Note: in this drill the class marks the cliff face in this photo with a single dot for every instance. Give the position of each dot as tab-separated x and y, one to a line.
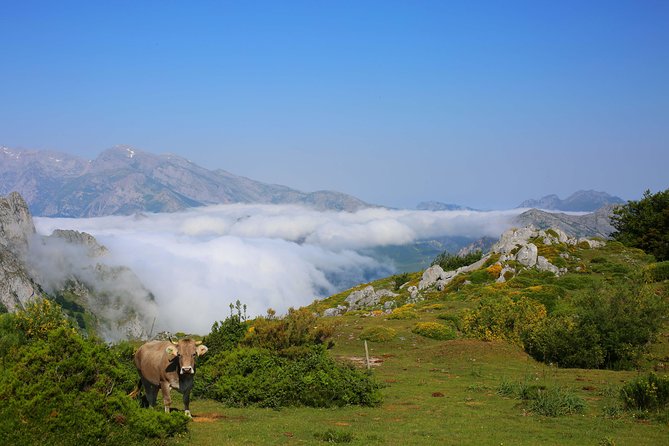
16	229
69	267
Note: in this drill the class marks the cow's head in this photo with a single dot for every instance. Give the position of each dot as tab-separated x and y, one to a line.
186	350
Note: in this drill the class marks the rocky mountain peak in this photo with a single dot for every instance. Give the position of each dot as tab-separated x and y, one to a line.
579	201
16	223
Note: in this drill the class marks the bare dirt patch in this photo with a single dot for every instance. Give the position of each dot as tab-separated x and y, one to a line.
212	417
374	361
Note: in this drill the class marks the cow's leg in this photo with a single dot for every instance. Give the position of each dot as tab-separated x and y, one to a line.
151	392
167	400
187	403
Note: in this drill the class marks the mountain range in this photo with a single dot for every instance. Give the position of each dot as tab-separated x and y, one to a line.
124	180
580	201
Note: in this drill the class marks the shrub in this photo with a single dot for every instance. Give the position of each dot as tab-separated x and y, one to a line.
494	270
657	272
644	224
378	334
299	328
649	392
260	377
67	389
404	312
225	335
565	341
400	279
503	318
606	326
454	319
450	262
480	276
434	330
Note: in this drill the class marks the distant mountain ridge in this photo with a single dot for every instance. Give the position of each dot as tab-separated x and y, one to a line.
580	201
439	206
124	180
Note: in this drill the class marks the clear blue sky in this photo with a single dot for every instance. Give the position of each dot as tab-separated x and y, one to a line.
477	103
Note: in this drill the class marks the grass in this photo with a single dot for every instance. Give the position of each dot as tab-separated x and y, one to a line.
416	371
461	391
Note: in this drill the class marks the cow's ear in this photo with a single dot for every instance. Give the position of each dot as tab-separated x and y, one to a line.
201	350
171	351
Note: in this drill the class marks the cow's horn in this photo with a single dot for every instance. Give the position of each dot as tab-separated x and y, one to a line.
198	342
173	341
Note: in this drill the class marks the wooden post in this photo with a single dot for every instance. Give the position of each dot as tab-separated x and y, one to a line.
367	355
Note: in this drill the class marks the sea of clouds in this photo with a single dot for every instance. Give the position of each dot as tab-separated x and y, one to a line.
198	261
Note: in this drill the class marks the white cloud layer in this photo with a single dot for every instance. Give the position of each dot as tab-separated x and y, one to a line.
198	261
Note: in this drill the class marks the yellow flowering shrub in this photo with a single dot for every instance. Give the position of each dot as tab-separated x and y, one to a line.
404	312
503	318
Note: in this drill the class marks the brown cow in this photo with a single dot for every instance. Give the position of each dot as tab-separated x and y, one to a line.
164	365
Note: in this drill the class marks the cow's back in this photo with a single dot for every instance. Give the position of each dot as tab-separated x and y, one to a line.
151	360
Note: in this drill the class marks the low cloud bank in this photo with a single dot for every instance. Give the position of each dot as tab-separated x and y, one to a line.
199	261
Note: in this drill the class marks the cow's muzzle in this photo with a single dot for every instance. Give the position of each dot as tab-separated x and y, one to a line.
187	370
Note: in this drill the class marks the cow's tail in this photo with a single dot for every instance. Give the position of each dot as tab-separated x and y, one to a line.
135	392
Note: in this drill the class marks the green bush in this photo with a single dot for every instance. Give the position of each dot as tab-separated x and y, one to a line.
649	392
434	330
503	318
451	262
454	319
607	327
298	330
657	272
378	334
644	224
404	312
400	279
261	377
67	389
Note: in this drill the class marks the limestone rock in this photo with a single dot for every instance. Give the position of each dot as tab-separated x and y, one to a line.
336	311
527	255
430	277
367	297
544	265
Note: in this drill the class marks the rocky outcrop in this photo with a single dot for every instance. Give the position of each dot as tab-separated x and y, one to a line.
16	229
68	266
516	248
437	277
16	224
367	297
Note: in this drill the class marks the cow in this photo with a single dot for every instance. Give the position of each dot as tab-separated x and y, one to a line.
164	365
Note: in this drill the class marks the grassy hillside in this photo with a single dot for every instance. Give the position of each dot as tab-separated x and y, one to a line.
465	390
456	363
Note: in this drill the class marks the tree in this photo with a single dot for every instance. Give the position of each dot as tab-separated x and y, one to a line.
644	224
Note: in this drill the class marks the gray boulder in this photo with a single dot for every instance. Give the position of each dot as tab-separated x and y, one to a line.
367	297
527	255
